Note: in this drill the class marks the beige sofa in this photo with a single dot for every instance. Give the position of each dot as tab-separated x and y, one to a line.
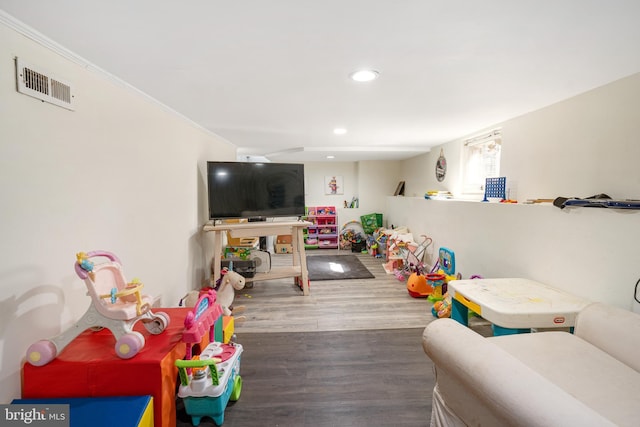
589	378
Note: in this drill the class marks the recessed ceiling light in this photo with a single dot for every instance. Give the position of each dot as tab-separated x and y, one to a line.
331	157
364	75
339	131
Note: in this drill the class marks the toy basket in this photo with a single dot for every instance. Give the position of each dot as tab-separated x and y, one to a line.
351	232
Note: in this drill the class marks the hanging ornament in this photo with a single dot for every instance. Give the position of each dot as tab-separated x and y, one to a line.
441	167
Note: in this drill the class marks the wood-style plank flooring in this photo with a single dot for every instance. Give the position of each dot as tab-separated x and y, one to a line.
362	378
349	354
333	305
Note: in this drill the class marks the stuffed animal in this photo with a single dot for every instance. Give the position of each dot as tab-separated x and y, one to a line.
225	288
226	291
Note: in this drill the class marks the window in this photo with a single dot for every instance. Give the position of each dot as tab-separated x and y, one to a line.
480	160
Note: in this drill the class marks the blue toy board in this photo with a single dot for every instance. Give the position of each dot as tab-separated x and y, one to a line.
495	188
447	261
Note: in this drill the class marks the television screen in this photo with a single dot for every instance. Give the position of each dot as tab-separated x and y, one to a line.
255	190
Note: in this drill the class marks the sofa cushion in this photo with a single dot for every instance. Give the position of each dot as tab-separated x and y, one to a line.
486	385
591	375
613	330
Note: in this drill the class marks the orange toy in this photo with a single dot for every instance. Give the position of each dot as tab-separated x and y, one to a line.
417	286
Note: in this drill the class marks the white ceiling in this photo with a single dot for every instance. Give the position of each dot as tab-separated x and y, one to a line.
272	76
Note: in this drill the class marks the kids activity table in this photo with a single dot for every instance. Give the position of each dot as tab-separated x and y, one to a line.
514	305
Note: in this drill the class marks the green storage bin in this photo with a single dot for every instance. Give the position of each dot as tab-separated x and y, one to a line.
371	222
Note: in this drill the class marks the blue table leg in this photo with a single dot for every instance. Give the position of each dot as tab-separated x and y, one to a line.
459	312
499	330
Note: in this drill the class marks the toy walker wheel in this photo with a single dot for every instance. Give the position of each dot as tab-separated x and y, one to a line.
158	324
41	353
129	345
237	389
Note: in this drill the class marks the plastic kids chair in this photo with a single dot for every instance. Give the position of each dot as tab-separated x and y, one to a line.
115	304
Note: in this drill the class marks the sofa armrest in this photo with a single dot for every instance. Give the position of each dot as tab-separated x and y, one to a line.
497	382
611	329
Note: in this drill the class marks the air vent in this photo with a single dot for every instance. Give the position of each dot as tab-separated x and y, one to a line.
38	83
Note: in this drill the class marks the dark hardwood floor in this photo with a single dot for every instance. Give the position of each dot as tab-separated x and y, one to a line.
337	378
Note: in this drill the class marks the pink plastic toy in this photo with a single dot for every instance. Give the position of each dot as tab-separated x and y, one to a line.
209	380
201	321
115	305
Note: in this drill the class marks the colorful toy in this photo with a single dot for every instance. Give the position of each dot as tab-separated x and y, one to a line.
495	188
446	272
447	260
115	305
399	274
380	243
442	309
413	255
225	288
210	380
240	252
418	287
436	281
352	235
205	318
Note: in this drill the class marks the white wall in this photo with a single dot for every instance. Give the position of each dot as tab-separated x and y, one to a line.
119	173
587	252
579	147
370	181
315	189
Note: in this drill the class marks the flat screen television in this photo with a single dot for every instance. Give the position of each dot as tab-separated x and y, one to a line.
255	190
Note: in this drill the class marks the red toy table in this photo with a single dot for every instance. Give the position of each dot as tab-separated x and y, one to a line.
89	367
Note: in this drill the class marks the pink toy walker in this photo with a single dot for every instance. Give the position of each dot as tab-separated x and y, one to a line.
115	305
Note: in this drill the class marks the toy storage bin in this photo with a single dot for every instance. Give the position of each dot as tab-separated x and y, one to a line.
358	246
371	222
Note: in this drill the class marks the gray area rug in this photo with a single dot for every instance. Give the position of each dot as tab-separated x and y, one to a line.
336	267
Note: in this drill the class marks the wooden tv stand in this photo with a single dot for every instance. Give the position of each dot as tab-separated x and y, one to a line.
257	229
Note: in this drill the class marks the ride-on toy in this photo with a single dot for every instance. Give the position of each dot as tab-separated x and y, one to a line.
115	304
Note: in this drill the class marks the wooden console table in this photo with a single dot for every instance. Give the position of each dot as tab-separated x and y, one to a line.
257	229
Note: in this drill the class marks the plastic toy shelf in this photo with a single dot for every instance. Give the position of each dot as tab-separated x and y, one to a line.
248	229
323	233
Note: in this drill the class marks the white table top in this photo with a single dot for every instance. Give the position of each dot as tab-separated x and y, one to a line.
519	303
